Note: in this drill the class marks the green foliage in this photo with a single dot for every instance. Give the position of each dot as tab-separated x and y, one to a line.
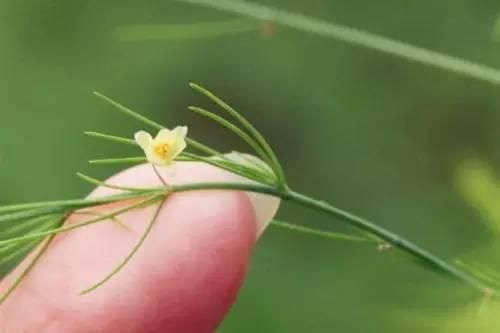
372	133
149	32
356	37
272	182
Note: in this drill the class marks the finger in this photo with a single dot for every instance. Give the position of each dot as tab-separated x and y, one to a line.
183	279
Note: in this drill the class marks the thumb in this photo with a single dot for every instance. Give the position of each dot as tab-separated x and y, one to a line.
184	278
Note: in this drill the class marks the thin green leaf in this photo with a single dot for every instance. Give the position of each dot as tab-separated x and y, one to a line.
114	219
275	165
232	128
5	251
118	212
74	203
25	272
195	144
235	168
131	254
202	148
129	112
481	273
256	171
112	138
120	160
98	182
18	253
31	213
320	233
356	37
24	226
11	255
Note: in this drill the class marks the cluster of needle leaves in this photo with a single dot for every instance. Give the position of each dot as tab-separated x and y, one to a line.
25	226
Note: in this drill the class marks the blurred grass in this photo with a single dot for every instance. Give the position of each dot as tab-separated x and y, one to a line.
355	37
372	134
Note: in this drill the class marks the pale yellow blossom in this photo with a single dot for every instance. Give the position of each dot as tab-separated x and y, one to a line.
165	147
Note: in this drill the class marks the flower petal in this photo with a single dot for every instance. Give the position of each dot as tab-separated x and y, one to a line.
143	139
153	158
165	135
180	131
178	147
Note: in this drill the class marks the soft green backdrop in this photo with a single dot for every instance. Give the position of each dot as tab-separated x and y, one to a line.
371	133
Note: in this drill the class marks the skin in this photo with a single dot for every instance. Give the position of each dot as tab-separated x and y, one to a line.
185	278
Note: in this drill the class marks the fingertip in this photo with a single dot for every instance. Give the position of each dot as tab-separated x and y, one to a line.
184	278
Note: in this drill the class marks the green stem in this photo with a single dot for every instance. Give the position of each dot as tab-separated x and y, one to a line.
355	37
353	220
74	203
362	224
388	236
257	188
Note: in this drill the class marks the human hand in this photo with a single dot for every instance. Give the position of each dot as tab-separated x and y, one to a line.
184	278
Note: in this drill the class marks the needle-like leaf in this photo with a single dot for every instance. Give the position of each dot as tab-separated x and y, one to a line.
355	37
320	233
112	138
275	165
132	252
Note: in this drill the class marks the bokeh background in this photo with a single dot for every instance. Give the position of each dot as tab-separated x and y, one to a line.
371	133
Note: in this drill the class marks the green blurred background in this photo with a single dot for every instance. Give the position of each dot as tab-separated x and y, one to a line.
371	133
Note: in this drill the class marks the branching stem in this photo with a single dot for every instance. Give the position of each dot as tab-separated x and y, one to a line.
353	220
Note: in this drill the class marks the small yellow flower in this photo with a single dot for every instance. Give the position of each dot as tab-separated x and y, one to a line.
163	149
